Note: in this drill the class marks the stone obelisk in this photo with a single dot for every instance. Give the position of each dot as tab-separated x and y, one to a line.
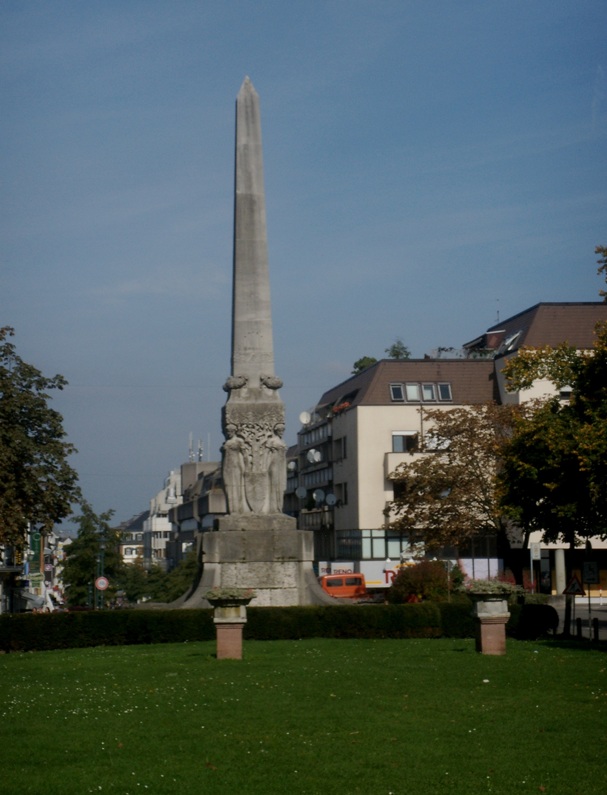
254	453
255	545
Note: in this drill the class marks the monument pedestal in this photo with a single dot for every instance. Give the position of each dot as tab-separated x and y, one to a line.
276	563
491	614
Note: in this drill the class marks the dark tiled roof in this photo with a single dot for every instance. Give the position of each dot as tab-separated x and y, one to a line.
134	523
472	381
551	324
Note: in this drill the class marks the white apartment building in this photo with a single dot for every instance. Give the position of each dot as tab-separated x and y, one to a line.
361	429
157	528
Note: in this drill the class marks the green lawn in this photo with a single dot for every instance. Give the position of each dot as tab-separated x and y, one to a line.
315	716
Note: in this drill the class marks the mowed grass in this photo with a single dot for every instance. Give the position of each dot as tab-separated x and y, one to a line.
312	716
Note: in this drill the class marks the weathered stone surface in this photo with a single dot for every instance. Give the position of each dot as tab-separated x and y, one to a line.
257	546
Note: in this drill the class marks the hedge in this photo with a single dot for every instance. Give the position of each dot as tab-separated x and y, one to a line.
47	631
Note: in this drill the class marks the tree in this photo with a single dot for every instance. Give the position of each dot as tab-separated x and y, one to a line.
398	350
95	551
555	464
451	495
175	583
602	263
38	484
427	580
363	363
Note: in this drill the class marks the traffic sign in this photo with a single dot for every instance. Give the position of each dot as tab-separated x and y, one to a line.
101	583
591	573
574	588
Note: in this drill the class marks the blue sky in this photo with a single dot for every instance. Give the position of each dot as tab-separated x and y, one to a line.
428	165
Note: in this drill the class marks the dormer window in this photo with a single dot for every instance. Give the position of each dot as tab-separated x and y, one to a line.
397	393
413	393
444	392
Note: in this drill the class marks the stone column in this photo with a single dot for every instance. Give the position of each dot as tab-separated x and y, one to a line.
559	569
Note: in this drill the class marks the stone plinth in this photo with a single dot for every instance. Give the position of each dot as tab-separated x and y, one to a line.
491	614
229	640
261	522
229	620
275	563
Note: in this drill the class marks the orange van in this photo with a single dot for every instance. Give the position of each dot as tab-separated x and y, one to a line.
344	586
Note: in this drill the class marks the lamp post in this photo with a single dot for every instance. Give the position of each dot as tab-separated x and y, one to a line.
99	594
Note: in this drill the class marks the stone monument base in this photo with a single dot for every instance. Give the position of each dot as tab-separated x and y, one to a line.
275	562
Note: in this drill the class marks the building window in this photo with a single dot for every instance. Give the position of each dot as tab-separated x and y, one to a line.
341	492
428	392
444	392
348	545
340	448
382	544
404	441
413	393
396	393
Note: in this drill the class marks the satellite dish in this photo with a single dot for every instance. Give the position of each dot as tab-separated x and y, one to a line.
331	499
301	492
311	456
291	466
318	495
317	456
305	418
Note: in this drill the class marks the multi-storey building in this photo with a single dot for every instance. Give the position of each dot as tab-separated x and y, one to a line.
157	526
361	429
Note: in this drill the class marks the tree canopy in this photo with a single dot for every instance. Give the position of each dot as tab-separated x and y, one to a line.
362	364
38	484
95	548
602	269
452	494
398	350
555	463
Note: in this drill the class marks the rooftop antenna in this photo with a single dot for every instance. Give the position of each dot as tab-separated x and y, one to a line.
191	448
200	451
497	301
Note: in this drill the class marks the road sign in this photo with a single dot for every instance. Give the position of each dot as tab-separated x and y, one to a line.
590	574
536	551
101	583
574	588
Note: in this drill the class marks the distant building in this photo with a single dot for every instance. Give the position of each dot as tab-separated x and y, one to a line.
361	429
157	526
131	538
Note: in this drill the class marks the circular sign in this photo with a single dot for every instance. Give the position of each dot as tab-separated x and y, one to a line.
101	583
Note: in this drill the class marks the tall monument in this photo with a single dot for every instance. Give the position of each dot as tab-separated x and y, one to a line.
254	453
255	545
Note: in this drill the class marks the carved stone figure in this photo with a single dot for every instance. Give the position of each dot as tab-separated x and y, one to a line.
234	469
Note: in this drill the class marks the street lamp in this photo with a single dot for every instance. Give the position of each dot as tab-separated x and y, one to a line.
99	594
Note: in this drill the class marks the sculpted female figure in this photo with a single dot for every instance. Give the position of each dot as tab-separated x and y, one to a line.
234	469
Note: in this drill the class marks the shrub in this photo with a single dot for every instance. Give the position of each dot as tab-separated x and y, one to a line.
532	621
426	580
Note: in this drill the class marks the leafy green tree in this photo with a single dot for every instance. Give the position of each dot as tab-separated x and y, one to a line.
363	363
133	582
602	269
429	580
452	493
95	551
555	463
554	467
175	583
38	486
398	350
